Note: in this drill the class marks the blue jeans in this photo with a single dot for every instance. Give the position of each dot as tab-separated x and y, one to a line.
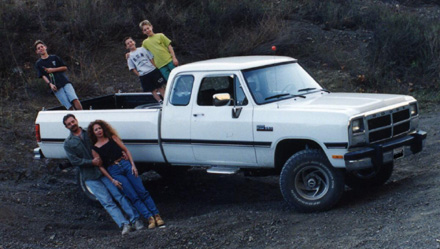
166	70
133	188
104	189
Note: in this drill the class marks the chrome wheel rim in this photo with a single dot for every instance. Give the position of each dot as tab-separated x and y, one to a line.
312	183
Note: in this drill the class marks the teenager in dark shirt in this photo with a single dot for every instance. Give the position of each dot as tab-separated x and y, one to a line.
51	68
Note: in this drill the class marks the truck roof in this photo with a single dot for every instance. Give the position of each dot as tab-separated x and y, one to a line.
233	63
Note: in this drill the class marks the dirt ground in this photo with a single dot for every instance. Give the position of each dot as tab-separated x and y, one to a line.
41	207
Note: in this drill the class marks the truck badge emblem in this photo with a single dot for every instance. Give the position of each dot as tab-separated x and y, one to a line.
264	128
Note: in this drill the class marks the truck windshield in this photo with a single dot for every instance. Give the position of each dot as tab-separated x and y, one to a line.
278	82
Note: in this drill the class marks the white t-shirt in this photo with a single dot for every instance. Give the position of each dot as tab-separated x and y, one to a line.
140	60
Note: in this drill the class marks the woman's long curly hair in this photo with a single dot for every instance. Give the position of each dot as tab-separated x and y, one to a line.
108	130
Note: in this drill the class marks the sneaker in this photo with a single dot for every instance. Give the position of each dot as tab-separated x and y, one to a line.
159	220
151	223
138	224
126	229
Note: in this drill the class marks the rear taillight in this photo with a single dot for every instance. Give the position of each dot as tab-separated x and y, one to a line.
37	132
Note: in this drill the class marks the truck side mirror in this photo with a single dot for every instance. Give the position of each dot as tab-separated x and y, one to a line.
222	99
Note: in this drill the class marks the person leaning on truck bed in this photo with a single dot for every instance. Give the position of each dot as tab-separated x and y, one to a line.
160	46
140	62
78	148
122	173
51	68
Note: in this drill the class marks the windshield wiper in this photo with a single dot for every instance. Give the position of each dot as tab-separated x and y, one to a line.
277	96
306	89
283	95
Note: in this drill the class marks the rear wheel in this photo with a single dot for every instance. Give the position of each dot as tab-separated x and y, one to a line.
83	187
369	177
309	183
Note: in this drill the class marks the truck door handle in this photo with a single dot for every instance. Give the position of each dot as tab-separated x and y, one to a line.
198	114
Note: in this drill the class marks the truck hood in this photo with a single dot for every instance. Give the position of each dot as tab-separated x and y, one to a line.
349	103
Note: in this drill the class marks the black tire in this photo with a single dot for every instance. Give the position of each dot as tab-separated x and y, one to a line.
83	187
309	183
369	178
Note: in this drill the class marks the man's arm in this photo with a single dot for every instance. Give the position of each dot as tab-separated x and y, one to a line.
135	72
75	160
52	86
45	79
41	74
59	66
56	69
132	66
152	62
105	172
171	50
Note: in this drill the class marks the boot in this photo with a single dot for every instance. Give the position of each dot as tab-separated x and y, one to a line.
151	223
159	220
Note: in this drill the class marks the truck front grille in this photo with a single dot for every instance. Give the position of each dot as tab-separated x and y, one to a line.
388	124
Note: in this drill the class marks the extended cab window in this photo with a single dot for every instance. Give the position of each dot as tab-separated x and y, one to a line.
220	84
181	94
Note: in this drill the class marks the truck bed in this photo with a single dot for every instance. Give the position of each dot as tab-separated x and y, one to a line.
140	135
117	101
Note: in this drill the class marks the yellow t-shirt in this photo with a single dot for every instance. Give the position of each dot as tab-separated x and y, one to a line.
158	46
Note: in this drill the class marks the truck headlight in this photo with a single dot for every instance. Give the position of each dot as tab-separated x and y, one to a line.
413	110
357	125
357	132
414	114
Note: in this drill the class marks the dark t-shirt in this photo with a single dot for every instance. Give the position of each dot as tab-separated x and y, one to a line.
109	152
52	61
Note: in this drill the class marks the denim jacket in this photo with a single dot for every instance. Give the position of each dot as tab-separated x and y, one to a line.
79	153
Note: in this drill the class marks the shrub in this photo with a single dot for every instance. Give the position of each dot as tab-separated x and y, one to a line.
341	14
405	49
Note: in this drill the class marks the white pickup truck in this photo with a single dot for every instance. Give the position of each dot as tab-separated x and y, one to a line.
260	115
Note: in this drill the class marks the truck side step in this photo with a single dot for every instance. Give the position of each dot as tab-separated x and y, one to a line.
222	170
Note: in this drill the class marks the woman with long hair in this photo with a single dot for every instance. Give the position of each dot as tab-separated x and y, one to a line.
122	173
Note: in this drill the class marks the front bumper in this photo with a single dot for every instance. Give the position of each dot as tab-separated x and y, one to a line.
379	154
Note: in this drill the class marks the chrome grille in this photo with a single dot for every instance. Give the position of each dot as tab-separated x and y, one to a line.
388	124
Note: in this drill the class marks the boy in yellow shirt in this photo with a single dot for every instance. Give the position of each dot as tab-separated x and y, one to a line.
160	46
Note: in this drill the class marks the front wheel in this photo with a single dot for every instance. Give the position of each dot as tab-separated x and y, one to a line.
309	183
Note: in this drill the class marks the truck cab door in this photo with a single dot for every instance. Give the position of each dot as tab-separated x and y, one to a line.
176	121
222	135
